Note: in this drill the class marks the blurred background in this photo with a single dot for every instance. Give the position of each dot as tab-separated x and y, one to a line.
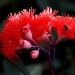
64	62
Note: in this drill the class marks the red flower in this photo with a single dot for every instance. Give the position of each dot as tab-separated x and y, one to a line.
23	25
70	25
65	26
10	35
41	23
20	28
58	24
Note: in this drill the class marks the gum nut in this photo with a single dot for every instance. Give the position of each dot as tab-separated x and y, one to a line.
34	54
26	44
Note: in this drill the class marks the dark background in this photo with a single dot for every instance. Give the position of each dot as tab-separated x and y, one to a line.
64	63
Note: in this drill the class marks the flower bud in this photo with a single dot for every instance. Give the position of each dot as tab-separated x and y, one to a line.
34	54
25	44
27	33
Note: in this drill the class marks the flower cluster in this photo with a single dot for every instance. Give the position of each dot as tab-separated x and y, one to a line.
23	29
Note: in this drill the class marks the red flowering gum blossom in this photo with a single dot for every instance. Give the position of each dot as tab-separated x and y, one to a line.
69	27
10	35
40	25
12	31
65	26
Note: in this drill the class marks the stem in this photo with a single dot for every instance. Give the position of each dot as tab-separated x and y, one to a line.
34	42
52	59
51	66
53	53
48	53
44	50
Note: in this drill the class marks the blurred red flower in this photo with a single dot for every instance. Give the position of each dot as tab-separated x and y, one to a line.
23	25
20	28
64	26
